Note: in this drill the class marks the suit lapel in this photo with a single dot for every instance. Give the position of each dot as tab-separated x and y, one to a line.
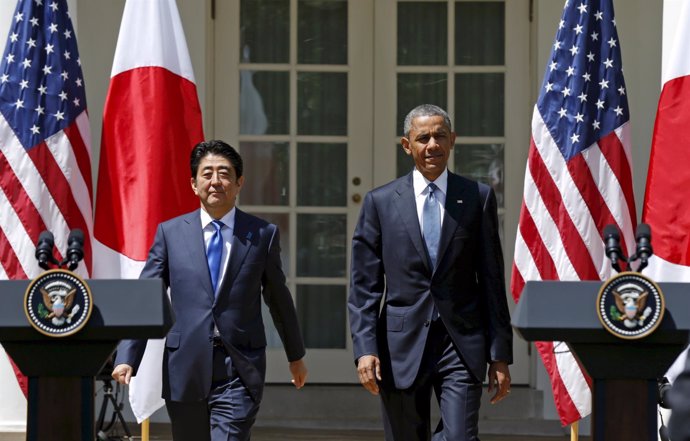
194	239
241	243
453	207
407	209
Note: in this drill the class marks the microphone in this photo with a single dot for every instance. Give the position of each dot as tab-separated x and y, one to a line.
75	248
44	250
613	248
643	237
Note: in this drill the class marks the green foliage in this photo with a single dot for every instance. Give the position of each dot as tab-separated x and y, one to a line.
615	314
42	311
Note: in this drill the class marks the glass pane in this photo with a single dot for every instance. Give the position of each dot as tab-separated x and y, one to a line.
479	33
479	99
265	31
321	103
322	32
321	313
422	33
267	173
322	175
264	102
416	89
483	163
282	220
404	162
321	245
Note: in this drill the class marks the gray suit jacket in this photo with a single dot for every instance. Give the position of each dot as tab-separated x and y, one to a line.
178	256
390	264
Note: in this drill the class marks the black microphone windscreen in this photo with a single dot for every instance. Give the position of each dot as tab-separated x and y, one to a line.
76	235
643	230
47	238
611	231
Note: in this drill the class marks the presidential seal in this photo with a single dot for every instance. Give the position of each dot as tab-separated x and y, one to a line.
58	303
630	305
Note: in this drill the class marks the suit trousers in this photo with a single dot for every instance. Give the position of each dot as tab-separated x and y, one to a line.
227	415
406	413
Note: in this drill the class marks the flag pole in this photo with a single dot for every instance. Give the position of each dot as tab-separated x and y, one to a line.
574	430
145	430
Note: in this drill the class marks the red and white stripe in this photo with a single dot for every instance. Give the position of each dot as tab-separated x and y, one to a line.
666	206
46	188
151	122
565	207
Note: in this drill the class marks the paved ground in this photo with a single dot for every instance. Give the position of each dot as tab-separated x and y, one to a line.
264	434
280	435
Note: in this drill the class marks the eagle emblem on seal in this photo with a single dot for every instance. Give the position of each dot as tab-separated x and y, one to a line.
631	308
60	305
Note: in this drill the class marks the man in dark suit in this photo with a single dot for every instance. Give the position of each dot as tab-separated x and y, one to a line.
217	261
427	245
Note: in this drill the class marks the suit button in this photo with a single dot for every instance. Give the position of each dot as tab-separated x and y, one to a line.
426	323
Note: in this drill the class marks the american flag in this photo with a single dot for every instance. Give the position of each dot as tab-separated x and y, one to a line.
45	151
578	177
45	157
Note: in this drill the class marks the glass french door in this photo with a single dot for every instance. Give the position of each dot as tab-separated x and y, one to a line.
293	92
470	57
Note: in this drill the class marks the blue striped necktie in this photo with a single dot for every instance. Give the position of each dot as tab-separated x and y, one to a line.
431	223
214	253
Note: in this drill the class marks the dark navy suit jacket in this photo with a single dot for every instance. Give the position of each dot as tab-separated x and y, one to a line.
390	264
178	256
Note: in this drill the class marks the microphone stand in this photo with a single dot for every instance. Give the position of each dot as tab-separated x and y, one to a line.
103	429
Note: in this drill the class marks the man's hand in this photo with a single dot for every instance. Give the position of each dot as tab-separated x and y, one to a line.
122	373
499	378
369	370
298	370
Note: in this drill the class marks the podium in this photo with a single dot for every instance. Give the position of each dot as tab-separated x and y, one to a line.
624	372
61	370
